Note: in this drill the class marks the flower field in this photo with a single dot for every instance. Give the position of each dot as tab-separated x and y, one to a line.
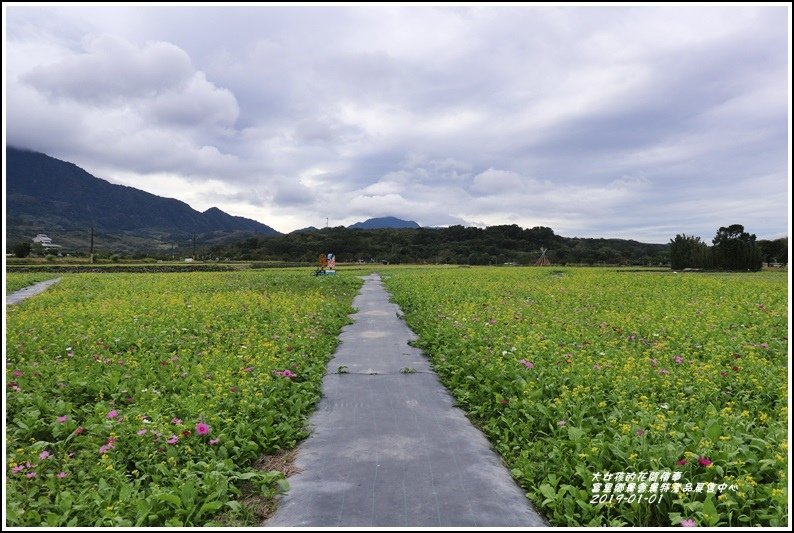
147	399
585	377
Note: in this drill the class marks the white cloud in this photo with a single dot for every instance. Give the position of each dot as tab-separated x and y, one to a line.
595	121
110	69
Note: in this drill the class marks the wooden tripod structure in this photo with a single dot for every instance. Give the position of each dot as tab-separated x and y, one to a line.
543	261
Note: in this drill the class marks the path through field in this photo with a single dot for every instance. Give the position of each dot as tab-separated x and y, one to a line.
32	290
387	447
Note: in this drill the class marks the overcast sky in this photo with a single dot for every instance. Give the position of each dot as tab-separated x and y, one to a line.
628	122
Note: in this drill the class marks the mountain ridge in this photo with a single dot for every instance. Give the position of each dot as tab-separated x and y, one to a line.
384	223
44	193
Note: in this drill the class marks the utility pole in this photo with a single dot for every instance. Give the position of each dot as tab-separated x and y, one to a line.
91	250
326	222
194	247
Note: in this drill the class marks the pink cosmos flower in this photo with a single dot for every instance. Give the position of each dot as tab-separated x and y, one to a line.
140	432
214	441
173	439
678	359
79	430
249	369
664	371
176	421
62	419
17	373
17	469
597	366
285	373
640	432
30	475
688	522
105	448
704	461
62	474
202	429
43	455
113	414
528	364
561	423
681	461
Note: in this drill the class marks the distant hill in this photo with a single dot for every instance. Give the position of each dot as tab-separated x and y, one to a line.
310	229
47	195
384	223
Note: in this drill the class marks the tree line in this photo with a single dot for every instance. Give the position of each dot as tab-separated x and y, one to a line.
732	249
451	245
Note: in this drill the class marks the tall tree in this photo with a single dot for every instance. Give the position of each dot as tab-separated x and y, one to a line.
735	249
687	251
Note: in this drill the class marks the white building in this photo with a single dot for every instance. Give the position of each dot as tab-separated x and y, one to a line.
45	241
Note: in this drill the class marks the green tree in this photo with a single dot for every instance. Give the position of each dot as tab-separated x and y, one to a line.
21	249
688	251
774	251
735	249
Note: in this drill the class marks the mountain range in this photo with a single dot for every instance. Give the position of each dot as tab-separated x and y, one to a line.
47	195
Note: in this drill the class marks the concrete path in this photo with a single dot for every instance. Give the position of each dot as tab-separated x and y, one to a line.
31	290
388	448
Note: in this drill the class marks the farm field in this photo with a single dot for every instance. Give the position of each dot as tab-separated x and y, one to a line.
151	399
618	398
14	282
